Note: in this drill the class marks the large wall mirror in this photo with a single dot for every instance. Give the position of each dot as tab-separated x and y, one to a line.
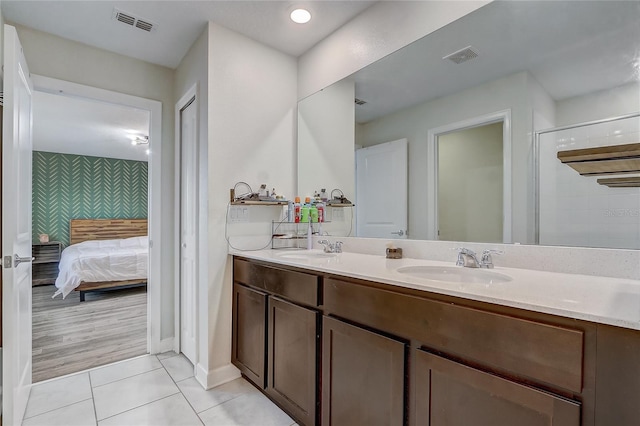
476	116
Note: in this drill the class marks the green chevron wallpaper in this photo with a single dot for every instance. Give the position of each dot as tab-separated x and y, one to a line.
69	186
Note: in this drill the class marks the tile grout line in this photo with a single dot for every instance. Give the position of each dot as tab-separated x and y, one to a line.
93	400
91	387
147	403
57	408
139	406
180	390
128	377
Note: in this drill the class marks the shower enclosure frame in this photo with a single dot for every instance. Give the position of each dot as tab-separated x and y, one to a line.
536	147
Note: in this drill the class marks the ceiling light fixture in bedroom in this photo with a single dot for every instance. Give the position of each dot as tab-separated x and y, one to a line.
140	140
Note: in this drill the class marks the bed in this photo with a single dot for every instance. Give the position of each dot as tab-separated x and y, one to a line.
104	254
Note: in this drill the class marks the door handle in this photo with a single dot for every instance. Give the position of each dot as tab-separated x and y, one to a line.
400	232
18	260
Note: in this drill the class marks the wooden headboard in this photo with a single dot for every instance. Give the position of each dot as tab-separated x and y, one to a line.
105	229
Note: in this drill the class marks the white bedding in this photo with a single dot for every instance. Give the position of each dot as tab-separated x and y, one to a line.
105	260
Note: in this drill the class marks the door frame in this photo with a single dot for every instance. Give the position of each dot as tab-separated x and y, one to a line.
503	116
185	100
156	219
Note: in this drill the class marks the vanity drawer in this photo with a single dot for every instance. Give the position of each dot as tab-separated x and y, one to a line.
295	286
532	350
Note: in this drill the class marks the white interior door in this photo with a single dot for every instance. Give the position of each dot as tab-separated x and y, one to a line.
16	230
188	217
381	190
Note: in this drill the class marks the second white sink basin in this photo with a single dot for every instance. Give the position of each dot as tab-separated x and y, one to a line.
455	274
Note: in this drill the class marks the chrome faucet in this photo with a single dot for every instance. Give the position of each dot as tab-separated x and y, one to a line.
331	247
468	258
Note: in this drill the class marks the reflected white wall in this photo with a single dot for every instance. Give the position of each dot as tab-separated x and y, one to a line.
326	137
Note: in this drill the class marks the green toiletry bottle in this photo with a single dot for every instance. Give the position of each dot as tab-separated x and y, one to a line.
306	210
314	213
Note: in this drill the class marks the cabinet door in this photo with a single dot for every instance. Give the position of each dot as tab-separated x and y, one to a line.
451	394
292	355
362	376
249	343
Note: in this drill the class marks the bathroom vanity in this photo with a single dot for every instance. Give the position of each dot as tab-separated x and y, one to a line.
336	347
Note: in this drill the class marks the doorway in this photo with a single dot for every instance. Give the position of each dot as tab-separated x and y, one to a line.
138	311
470	185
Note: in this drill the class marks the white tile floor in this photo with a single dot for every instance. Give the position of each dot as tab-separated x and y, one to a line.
149	390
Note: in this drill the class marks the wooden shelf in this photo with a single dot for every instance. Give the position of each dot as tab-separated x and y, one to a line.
259	203
606	160
622	182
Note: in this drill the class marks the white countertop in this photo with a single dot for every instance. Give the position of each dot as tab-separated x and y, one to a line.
602	300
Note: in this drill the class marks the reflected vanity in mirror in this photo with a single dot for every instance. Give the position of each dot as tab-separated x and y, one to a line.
486	106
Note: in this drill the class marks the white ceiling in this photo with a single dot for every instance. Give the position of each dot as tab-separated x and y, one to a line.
571	47
83	127
79	126
179	23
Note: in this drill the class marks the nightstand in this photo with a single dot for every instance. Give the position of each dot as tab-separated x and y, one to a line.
45	263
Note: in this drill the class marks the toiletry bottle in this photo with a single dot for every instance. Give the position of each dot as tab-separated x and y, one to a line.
323	195
297	213
320	206
306	210
291	213
313	212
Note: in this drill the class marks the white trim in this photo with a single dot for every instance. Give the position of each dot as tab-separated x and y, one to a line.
166	345
185	100
432	168
219	376
155	216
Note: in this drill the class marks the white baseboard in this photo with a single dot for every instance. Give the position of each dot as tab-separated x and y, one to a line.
216	377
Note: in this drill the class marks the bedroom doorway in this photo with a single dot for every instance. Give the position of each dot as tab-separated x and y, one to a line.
102	167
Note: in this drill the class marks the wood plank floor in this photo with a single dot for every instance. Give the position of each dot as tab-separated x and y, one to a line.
69	336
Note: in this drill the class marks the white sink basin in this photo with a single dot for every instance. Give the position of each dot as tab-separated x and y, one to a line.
455	274
305	255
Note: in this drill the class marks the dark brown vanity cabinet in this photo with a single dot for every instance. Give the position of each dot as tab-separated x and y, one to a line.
292	358
276	334
397	356
249	333
449	393
363	376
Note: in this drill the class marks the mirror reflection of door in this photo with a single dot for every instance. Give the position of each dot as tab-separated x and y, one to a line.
470	184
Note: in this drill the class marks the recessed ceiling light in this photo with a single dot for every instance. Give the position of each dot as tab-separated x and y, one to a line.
300	16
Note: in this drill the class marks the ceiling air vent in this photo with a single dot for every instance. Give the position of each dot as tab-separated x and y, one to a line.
462	55
133	21
144	25
360	102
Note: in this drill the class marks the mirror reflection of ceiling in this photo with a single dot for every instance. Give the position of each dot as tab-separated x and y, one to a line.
71	125
554	40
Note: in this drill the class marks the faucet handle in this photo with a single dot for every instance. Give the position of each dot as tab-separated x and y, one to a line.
338	246
326	245
462	252
487	260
